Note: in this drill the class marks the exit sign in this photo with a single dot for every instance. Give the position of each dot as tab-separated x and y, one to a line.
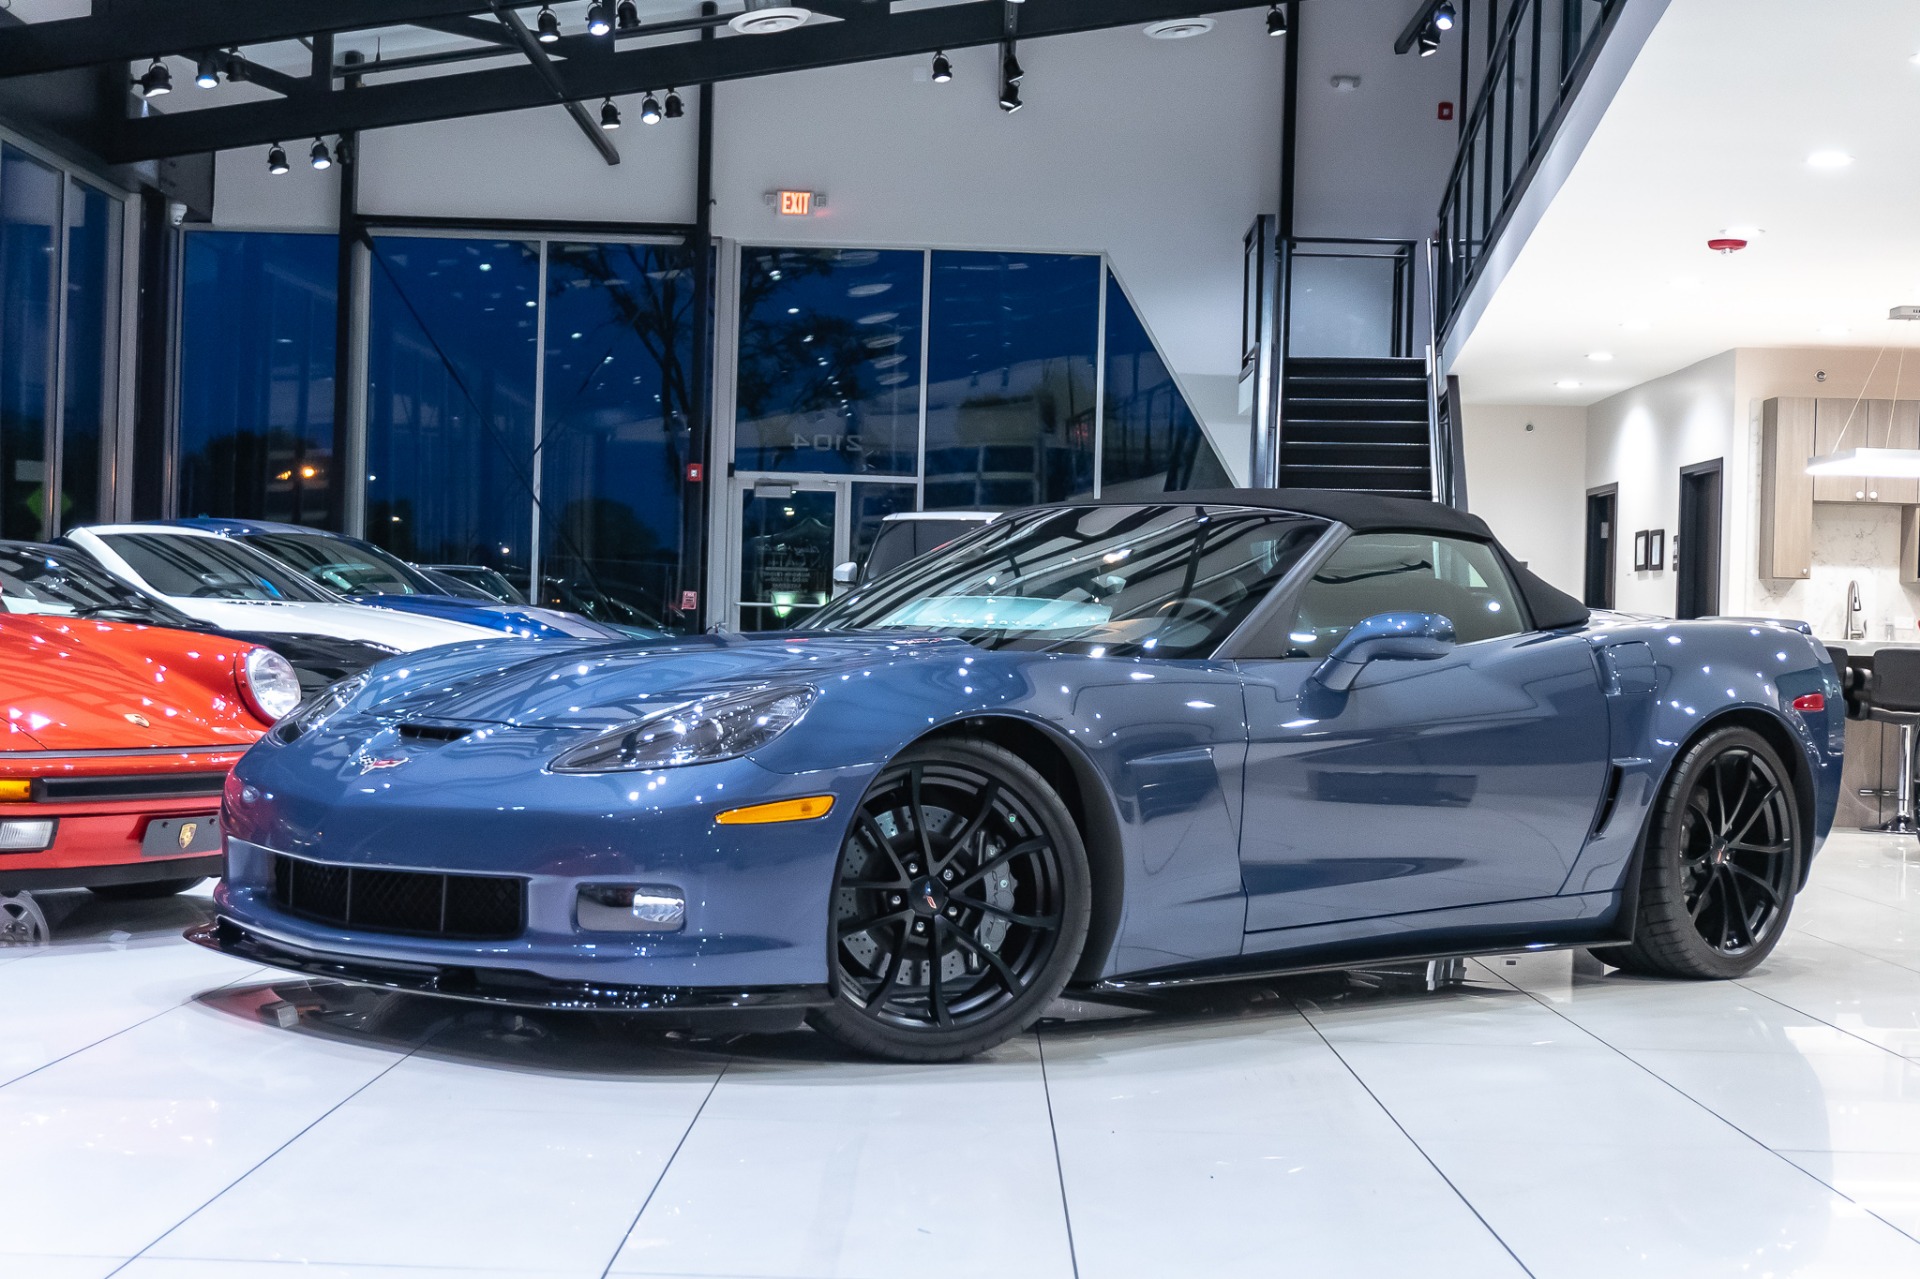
797	204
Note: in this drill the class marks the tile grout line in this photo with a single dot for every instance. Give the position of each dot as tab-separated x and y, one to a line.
1059	1168
1819	1020
665	1168
1418	1148
1655	1075
1855	950
130	1026
277	1150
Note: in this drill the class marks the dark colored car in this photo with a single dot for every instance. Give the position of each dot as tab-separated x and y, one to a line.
1112	744
64	580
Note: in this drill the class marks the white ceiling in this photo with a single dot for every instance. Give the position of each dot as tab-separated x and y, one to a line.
1712	129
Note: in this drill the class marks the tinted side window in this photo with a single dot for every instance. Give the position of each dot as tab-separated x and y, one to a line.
1405	573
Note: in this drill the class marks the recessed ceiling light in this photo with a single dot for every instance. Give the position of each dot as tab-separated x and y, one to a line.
1636	325
1179	28
1567	384
1600	357
1829	160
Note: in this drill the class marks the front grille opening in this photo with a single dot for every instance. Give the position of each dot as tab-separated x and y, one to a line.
63	790
413	903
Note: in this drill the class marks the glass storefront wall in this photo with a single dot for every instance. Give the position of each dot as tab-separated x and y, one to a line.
60	247
257	319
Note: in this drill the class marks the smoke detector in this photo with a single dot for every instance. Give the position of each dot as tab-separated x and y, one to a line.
1179	28
1904	313
763	19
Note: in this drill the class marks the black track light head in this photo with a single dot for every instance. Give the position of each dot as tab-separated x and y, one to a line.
1277	20
1010	69
318	155
598	23
1445	15
942	69
339	150
549	26
627	16
609	116
207	71
675	107
650	110
1010	98
1429	43
157	80
276	159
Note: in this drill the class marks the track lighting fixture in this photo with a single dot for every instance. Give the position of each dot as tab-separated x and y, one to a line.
942	69
1010	69
156	81
549	26
340	150
318	156
207	72
276	159
598	23
1444	15
1010	98
675	107
1429	42
650	109
627	17
1277	20
609	116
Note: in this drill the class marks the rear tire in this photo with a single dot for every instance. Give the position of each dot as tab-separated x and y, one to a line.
149	891
961	902
1724	848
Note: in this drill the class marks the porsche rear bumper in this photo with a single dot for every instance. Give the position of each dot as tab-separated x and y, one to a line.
762	1008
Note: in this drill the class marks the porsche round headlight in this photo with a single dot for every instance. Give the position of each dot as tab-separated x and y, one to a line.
723	726
272	689
331	701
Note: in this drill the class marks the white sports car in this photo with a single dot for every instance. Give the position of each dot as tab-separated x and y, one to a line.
235	587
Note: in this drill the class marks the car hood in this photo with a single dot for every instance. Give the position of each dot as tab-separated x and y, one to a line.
571	685
71	684
511	619
397	631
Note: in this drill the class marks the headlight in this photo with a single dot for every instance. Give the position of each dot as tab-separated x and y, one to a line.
271	687
332	700
723	726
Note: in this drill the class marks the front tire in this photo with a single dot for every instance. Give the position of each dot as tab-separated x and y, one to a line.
1724	849
961	903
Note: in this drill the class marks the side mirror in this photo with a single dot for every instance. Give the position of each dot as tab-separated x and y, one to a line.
847	574
1405	637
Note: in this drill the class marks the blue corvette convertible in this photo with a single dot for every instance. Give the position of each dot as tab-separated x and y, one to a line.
1094	745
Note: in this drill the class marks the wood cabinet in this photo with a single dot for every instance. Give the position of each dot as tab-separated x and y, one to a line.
1786	490
1841	424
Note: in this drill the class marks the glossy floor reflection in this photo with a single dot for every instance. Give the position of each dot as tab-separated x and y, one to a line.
1545	1119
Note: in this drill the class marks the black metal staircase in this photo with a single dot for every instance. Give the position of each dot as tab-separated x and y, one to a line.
1357	424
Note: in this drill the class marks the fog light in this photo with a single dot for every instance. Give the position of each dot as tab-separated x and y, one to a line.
26	837
631	908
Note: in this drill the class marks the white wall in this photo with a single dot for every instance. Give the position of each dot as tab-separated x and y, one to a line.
1639	439
1527	478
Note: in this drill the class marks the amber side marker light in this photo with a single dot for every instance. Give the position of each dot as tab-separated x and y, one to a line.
16	790
786	810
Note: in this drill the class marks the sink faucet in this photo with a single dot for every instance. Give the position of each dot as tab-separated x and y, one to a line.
1856	621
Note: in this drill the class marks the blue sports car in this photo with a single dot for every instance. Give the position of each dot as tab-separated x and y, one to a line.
1107	745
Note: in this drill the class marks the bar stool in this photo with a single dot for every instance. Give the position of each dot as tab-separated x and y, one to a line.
1893	697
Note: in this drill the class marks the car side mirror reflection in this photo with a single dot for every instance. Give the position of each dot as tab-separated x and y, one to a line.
1405	637
847	574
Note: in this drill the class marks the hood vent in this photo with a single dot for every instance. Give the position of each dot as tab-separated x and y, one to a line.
422	730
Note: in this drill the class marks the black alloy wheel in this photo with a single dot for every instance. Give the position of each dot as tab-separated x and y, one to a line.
960	905
1721	865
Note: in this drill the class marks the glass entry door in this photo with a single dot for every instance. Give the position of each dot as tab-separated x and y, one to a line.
791	531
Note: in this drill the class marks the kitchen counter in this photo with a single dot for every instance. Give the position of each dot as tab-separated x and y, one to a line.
1866	648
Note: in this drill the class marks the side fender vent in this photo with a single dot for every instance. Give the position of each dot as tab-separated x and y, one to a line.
1608	801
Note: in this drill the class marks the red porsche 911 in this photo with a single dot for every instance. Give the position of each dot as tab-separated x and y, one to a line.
116	742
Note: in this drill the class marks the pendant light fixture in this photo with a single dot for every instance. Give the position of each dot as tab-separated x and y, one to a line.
1868	461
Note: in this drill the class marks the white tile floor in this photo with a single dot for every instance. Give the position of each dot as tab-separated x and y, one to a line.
1542	1120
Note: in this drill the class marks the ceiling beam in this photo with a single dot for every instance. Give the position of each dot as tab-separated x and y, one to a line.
551	77
685	64
174	26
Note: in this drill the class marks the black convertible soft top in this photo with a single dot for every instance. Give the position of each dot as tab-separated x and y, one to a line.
1550	607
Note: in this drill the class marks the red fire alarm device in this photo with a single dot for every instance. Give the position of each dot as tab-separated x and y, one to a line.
689	601
695	472
1446	110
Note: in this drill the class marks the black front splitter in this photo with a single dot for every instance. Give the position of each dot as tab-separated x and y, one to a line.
755	1008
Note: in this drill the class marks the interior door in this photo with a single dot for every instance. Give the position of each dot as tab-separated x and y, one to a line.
1697	592
1602	543
1461	780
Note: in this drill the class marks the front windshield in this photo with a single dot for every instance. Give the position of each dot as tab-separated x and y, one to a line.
339	565
34	582
1123	581
192	566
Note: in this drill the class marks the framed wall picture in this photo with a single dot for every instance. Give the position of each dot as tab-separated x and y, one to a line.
1657	550
1640	540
